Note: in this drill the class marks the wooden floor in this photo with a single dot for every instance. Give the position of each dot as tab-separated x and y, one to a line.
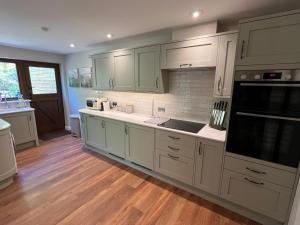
62	183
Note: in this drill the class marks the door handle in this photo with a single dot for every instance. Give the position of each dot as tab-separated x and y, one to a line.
113	82
200	149
103	124
173	157
255	171
174	138
156	82
242	49
219	82
185	65
253	182
109	82
174	149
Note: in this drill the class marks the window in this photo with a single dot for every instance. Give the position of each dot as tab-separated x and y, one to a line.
9	84
43	80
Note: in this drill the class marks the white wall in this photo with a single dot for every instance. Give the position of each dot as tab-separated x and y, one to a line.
25	54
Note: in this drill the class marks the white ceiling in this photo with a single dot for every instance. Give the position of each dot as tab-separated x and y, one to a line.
85	22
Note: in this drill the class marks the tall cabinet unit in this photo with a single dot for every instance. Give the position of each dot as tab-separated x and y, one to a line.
225	65
270	40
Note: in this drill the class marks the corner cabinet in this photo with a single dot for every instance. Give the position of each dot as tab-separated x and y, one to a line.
225	65
194	53
208	169
270	40
115	137
103	66
140	145
148	75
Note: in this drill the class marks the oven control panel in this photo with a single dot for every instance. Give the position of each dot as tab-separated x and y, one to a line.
267	75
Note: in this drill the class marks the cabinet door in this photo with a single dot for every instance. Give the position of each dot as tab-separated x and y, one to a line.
95	132
103	69
258	195
115	137
225	65
209	159
270	41
123	79
195	53
147	69
141	145
22	127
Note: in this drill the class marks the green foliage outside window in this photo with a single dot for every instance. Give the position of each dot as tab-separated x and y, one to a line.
9	84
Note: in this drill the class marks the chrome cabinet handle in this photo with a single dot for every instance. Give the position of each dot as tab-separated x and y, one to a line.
255	171
242	49
200	149
185	65
173	157
156	82
219	82
174	138
103	124
126	130
253	182
174	149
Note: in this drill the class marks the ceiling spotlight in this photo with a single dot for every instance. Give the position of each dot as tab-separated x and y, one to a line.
109	36
72	45
196	14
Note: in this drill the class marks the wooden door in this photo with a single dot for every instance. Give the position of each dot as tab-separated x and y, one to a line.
225	65
141	145
123	76
103	71
209	166
147	69
44	89
270	41
115	137
94	132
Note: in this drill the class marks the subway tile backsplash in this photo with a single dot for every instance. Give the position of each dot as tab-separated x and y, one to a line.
190	96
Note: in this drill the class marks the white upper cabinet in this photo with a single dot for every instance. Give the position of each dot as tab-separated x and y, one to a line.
194	53
209	158
225	65
103	66
273	40
148	76
123	76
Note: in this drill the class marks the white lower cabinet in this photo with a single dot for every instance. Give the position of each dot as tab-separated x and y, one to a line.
94	131
258	195
175	166
209	158
115	137
141	145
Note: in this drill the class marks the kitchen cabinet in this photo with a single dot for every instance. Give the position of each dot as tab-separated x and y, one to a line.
209	158
148	75
23	126
194	53
141	145
115	137
225	65
256	194
103	66
123	75
269	40
94	131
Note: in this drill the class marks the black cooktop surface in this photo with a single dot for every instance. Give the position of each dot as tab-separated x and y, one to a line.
183	125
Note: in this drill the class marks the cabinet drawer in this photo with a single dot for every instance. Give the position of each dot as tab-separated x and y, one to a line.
172	146
176	140
175	166
255	194
267	173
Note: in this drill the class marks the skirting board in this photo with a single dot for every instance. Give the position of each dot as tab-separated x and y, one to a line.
212	198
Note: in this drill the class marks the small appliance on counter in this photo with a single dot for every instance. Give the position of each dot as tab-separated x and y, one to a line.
96	103
218	115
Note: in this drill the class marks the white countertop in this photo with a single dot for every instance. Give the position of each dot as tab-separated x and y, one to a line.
206	132
14	110
4	125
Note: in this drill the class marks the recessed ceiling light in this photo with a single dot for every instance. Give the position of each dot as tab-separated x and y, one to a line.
72	45
196	14
109	35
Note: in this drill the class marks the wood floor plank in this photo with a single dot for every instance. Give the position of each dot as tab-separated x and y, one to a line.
62	183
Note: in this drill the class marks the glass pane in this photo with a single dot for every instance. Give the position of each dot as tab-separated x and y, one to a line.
43	80
9	84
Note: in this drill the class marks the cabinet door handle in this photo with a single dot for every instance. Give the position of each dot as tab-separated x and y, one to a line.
219	82
200	149
109	82
113	82
185	65
174	149
174	138
126	130
173	157
156	82
253	182
256	171
103	124
242	49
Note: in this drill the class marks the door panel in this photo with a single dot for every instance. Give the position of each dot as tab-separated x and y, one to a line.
115	137
95	132
103	69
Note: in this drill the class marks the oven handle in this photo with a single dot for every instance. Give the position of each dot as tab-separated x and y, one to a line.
269	85
268	116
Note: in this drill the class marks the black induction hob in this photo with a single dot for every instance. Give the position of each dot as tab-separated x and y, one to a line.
182	125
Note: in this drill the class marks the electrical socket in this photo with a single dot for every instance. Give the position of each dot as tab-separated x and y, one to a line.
161	109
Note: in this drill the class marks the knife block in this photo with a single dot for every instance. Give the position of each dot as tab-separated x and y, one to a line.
218	115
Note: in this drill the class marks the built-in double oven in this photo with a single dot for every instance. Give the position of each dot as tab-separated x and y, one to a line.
265	116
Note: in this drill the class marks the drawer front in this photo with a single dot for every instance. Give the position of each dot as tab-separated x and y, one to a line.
175	166
267	173
172	146
256	194
175	140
